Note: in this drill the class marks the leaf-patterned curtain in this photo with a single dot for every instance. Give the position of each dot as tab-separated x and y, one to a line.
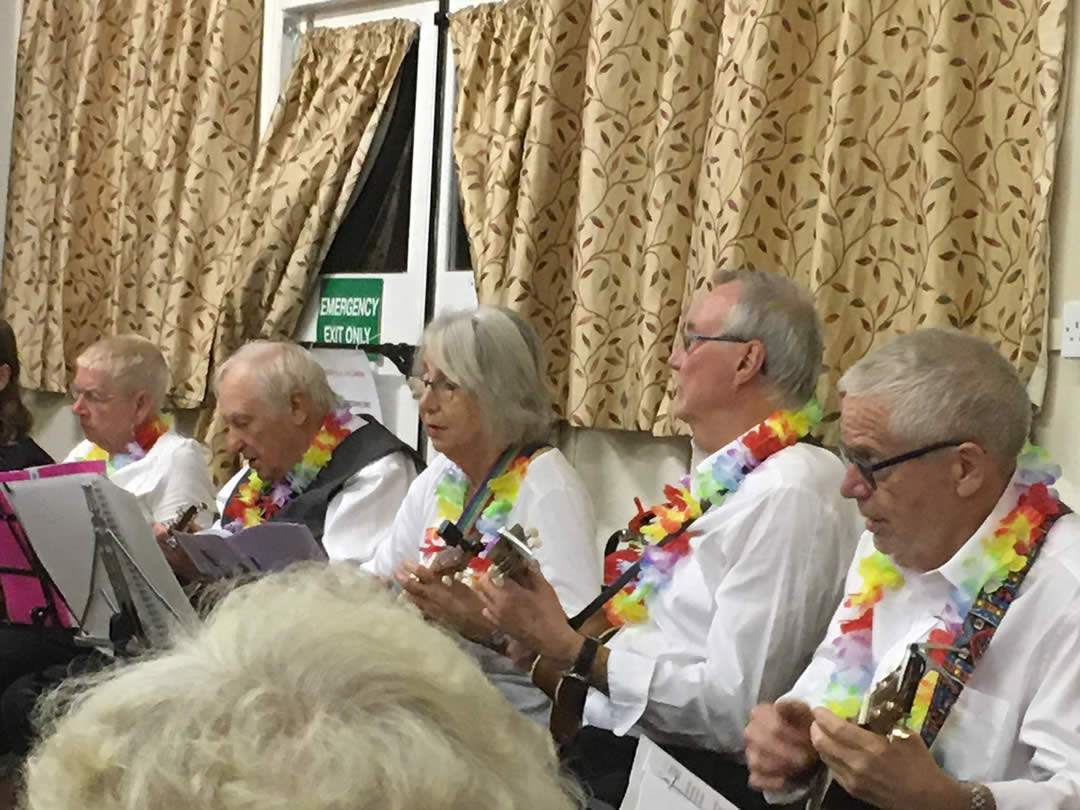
306	167
134	127
896	157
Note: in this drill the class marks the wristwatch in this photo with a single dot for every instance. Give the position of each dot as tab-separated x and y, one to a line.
571	691
981	797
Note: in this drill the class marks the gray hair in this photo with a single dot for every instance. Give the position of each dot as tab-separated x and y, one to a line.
281	369
496	356
942	385
134	362
780	313
309	688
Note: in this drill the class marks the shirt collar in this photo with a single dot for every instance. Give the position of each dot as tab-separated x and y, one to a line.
954	569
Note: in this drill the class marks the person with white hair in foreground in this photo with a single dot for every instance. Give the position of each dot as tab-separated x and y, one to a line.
309	460
311	688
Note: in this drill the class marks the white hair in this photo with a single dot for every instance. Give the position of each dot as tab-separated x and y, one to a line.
780	313
313	689
495	355
281	369
944	385
133	362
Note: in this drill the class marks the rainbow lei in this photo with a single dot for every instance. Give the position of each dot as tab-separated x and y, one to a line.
146	436
986	566
255	500
715	478
450	495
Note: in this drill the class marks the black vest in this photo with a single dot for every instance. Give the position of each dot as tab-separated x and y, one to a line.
363	446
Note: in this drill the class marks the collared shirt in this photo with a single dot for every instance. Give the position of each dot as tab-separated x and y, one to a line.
1016	725
552	500
359	518
171	477
742	612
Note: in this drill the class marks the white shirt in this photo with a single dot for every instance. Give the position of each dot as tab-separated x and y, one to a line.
171	477
1016	725
551	499
359	517
742	613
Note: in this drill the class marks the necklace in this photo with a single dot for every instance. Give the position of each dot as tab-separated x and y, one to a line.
146	436
709	485
255	501
450	497
986	564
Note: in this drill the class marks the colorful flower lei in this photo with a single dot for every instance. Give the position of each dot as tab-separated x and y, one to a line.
715	478
450	496
255	501
985	566
146	436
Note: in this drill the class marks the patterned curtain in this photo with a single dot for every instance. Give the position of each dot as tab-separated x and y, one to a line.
134	128
306	168
896	157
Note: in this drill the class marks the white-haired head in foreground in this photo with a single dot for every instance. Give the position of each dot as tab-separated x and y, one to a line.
310	689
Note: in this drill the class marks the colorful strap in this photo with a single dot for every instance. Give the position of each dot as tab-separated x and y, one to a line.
466	524
980	624
619	583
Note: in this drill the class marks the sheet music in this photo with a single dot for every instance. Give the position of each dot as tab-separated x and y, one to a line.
159	600
659	780
266	547
55	514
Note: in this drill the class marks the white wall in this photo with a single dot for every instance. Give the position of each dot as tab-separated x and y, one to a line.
1057	427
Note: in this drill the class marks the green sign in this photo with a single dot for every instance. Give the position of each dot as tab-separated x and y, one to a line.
350	311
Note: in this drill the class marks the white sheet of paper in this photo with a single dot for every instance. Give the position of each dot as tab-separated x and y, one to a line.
658	780
352	378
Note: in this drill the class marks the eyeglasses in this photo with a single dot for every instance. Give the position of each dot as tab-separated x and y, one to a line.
90	395
441	387
690	338
867	469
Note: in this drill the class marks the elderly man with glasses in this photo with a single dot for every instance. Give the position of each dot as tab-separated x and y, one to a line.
966	581
119	389
720	594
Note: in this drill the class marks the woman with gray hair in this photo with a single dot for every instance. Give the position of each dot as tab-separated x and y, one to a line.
309	688
487	411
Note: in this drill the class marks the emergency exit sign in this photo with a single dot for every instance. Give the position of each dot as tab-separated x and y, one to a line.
350	311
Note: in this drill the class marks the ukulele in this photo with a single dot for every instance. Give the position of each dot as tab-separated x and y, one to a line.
509	555
885	712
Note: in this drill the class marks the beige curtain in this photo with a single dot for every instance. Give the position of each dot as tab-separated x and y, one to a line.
134	127
896	157
307	166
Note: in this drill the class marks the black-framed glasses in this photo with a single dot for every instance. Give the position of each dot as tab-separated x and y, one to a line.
867	469
690	338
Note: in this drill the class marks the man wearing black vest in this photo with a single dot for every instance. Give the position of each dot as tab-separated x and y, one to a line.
308	459
969	556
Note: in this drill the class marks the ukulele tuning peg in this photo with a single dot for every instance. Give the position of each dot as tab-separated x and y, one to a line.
447	580
459	576
496	577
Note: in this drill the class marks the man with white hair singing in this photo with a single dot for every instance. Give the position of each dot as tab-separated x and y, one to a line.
119	389
970	570
726	588
309	460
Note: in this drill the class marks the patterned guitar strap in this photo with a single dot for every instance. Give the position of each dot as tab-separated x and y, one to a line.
968	647
980	624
